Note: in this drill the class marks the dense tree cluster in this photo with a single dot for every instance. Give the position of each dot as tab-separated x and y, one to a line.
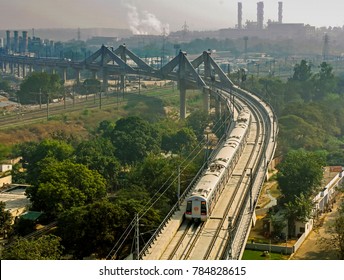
311	132
299	178
39	87
309	108
46	247
96	186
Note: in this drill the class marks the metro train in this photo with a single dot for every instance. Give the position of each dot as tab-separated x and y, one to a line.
201	202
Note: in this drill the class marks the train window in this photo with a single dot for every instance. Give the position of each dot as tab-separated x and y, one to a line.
188	207
203	208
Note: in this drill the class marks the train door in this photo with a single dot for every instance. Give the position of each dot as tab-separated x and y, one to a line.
188	208
196	208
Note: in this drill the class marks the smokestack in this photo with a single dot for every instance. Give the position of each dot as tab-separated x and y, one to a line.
239	15
16	42
8	40
280	12
260	15
25	42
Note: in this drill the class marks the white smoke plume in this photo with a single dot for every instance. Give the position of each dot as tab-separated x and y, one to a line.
144	23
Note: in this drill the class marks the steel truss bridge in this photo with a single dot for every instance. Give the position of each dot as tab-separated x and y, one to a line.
230	227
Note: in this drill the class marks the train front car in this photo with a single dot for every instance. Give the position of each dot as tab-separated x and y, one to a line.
211	184
200	204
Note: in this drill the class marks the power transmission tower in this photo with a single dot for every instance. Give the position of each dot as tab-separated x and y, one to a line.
326	47
185	30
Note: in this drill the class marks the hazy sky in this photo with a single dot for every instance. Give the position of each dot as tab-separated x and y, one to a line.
151	16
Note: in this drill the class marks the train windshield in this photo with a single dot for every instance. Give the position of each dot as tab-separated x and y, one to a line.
203	208
188	207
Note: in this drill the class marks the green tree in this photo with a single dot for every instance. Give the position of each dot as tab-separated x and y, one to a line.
134	138
97	227
39	85
302	71
5	220
62	185
92	229
182	141
338	232
22	226
325	81
5	85
99	154
301	81
5	151
46	247
298	209
198	121
18	175
32	153
300	172
157	175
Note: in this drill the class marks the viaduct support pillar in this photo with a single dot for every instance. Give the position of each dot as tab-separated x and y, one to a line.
64	74
182	89
77	76
94	74
124	58
24	70
105	80
206	100
218	108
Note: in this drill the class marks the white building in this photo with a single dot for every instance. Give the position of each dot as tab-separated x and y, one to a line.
5	167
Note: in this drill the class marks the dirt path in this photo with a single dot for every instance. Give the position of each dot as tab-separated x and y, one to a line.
312	248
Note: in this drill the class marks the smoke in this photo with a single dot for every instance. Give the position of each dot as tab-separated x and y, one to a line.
144	22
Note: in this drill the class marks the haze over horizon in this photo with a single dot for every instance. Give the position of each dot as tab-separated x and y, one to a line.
155	16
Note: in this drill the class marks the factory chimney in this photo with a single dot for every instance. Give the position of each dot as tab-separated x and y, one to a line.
239	15
25	42
16	42
260	15
8	40
280	12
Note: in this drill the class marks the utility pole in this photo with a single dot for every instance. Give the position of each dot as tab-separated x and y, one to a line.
64	98
47	107
178	194
40	98
137	238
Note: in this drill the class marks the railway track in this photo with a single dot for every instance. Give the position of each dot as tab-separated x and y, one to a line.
26	117
212	238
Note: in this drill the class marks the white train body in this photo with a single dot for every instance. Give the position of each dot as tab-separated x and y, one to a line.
209	187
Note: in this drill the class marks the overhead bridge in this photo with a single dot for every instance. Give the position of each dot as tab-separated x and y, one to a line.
122	62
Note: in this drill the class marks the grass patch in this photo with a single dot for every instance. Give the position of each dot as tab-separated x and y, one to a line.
275	191
258	255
